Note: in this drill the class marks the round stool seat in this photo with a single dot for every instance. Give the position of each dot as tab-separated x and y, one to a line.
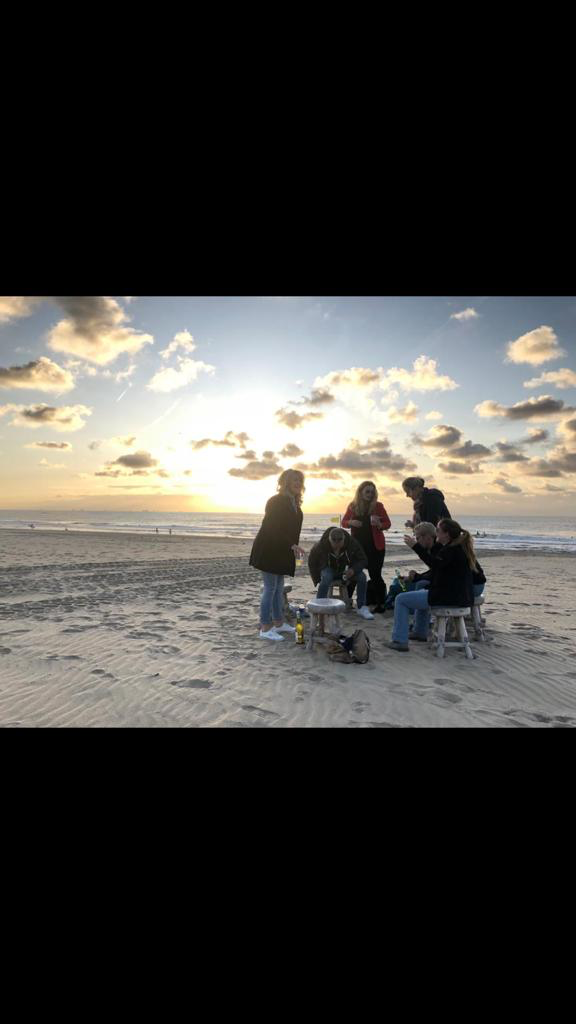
321	608
443	615
325	606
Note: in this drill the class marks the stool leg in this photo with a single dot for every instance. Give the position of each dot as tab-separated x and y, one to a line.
322	621
464	638
477	618
313	623
441	623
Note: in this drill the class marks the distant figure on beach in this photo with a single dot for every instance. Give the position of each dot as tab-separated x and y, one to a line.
367	519
337	556
156	530
275	549
429	505
32	527
451	584
170	533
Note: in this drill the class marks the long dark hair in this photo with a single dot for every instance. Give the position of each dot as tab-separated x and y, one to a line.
462	537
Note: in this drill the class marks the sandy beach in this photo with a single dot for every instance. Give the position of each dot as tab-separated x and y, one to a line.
111	630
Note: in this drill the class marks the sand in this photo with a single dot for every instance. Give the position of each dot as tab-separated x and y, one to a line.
109	630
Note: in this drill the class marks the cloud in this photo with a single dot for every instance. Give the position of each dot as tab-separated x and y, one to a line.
183	340
503	485
367	458
542	408
294	420
407	414
257	470
536	436
63	446
124	374
541	467
248	454
458	468
230	440
509	453
93	329
170	379
535	347
422	378
40	375
466	314
470	451
442	436
433	415
318	396
52	465
14	306
94	445
563	379
355	377
67	417
138	460
291	451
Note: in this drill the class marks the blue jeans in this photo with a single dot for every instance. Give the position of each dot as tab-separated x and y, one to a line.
478	588
272	602
416	600
327	577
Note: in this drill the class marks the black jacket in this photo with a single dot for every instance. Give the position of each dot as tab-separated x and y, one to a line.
427	556
450	578
430	507
322	556
272	547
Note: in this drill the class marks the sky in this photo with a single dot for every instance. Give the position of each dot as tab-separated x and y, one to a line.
196	404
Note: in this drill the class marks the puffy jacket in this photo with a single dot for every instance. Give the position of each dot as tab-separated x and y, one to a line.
430	507
377	531
322	556
451	578
428	554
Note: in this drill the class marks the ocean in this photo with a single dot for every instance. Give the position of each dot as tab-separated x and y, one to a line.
545	533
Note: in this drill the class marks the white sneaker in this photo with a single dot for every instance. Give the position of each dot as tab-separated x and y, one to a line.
284	628
364	612
270	634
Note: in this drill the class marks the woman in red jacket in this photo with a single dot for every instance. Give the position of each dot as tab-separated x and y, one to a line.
367	519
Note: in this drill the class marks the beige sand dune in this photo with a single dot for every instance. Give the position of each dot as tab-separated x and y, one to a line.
105	630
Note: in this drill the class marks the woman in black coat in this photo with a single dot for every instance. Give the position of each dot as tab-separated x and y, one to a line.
275	549
451	584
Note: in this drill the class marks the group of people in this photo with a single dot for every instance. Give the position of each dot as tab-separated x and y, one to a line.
454	576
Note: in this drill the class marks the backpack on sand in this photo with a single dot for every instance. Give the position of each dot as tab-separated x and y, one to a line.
351	650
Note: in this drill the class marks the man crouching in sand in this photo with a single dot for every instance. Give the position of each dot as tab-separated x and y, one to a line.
337	556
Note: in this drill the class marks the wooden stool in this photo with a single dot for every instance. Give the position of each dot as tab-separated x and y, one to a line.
477	619
342	592
320	609
442	617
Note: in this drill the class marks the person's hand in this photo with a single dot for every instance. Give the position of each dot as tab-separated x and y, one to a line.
298	551
347	575
410	541
409	524
356	522
375	521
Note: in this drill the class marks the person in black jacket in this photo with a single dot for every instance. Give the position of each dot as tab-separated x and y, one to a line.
429	505
275	549
337	556
427	547
450	584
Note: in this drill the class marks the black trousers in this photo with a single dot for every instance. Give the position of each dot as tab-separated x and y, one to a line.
377	592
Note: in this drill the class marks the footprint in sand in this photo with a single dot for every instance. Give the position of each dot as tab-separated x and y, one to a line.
361	707
261	712
5	650
451	698
192	684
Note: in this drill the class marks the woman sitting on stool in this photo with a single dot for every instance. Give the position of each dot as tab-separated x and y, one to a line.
450	584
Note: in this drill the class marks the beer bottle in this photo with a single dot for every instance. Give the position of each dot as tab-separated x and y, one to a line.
299	636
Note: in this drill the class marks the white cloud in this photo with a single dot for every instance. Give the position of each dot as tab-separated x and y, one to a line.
423	377
541	408
65	418
13	306
466	314
93	329
407	414
434	415
40	375
563	379
182	340
535	347
170	379
124	374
